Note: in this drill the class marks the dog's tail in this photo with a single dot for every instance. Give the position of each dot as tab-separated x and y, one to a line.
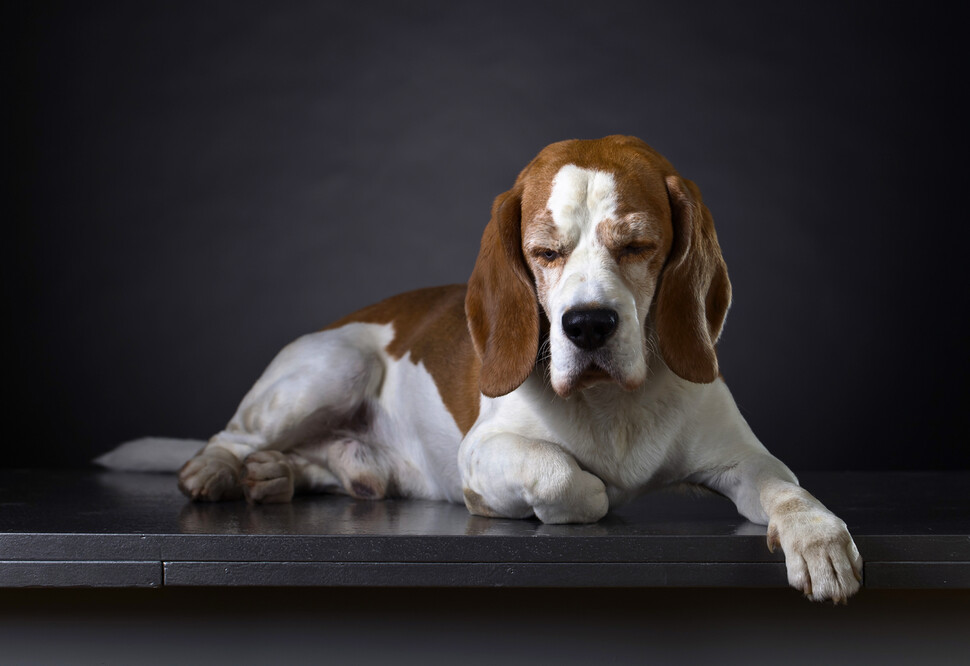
150	454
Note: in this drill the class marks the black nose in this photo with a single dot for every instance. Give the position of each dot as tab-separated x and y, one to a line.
589	329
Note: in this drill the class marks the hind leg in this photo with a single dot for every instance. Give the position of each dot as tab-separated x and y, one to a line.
319	382
342	465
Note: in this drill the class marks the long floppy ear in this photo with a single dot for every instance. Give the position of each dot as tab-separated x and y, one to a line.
694	292
501	304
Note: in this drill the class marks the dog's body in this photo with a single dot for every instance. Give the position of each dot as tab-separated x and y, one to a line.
576	371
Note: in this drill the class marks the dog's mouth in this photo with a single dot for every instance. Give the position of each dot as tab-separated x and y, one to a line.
592	375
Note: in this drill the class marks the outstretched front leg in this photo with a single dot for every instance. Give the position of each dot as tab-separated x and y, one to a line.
822	559
506	475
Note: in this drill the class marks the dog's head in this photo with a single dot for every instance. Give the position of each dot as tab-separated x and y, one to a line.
602	246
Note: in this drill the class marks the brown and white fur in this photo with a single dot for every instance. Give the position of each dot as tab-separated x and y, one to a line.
575	371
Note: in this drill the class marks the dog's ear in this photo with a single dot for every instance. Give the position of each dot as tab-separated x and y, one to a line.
501	304
694	291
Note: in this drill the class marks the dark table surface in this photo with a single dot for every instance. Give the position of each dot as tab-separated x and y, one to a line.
61	528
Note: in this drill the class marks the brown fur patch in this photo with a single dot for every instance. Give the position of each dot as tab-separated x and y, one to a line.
632	238
431	325
794	504
791	505
476	504
363	490
501	305
694	292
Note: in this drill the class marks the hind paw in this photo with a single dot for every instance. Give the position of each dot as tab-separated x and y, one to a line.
210	478
267	477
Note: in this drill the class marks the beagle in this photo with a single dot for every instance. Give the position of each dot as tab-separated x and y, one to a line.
575	371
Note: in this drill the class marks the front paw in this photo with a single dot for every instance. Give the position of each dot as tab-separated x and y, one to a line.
581	498
823	561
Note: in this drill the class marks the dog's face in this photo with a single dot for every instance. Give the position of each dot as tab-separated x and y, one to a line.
595	242
613	247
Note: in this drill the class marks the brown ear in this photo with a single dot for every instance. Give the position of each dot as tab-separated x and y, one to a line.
501	305
694	292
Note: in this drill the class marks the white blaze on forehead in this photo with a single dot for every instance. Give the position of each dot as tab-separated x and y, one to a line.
580	199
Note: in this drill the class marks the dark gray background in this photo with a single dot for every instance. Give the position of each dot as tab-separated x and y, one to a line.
193	185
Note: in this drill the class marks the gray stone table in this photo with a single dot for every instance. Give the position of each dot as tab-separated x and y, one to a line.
87	528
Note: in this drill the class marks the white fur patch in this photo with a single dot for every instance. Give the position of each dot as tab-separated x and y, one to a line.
414	424
150	454
580	198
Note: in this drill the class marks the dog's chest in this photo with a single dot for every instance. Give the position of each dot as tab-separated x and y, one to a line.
629	450
629	440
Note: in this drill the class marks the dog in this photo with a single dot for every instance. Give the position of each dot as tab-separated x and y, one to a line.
575	371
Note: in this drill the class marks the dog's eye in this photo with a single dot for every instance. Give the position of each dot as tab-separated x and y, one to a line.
636	251
547	255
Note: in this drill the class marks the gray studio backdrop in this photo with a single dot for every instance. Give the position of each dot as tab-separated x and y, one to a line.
195	184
